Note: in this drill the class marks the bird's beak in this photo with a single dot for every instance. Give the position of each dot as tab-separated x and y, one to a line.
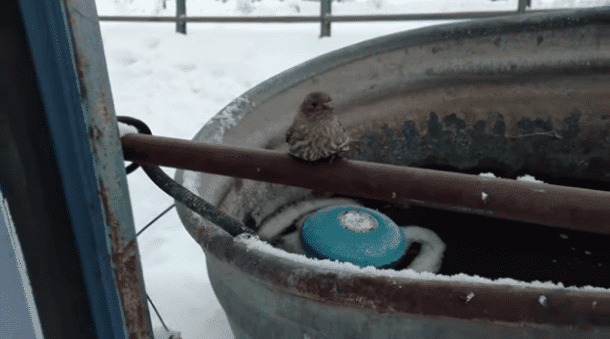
329	105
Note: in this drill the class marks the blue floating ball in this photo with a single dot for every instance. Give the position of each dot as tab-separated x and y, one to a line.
354	234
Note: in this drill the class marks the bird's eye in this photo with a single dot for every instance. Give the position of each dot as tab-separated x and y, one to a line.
313	104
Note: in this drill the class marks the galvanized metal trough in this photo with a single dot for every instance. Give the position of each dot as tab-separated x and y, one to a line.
518	95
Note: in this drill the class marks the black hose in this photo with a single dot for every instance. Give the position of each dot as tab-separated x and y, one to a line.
183	195
195	203
142	128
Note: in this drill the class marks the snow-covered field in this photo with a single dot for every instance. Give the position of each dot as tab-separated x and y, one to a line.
175	83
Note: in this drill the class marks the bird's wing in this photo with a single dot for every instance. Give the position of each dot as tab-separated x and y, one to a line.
289	134
344	139
344	145
294	135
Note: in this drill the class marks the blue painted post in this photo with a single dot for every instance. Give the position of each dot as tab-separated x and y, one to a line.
72	79
325	6
180	13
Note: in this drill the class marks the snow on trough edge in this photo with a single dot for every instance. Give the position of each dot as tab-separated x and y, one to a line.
253	243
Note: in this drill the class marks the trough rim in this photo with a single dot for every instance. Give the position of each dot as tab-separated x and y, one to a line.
501	305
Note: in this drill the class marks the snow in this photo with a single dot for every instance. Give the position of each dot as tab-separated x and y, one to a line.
162	333
190	180
432	249
126	129
525	177
253	243
469	297
176	83
344	7
229	117
543	301
358	222
529	178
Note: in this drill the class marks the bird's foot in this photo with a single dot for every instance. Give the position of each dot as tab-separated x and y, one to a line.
322	161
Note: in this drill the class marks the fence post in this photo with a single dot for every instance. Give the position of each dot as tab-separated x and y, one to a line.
324	13
180	13
523	4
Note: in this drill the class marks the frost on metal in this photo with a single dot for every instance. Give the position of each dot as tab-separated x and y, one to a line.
191	180
228	117
469	297
530	178
253	243
126	129
214	132
543	301
525	177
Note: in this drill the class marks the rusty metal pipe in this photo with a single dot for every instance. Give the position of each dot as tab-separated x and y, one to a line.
545	204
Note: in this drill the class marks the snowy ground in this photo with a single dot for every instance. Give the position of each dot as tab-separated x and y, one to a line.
175	83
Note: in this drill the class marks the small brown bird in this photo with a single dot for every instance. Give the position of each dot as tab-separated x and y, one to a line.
316	132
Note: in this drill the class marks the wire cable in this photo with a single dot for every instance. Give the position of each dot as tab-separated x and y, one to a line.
155	219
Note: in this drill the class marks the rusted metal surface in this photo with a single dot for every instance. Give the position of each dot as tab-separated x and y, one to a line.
507	134
126	261
552	205
499	305
100	118
527	94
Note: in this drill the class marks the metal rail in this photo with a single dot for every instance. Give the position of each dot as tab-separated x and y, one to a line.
330	18
325	18
545	204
